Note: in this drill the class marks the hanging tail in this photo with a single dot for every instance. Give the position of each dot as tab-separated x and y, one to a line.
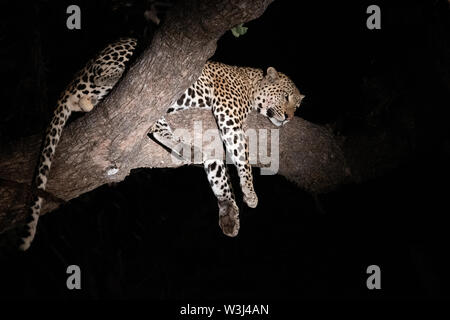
52	137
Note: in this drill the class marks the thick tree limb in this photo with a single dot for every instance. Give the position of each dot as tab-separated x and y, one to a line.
309	156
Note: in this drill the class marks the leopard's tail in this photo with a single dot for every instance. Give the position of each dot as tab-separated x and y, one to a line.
52	137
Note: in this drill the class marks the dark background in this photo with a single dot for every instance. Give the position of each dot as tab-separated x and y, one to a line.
155	235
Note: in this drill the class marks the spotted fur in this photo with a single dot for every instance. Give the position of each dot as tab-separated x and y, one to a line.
90	85
232	93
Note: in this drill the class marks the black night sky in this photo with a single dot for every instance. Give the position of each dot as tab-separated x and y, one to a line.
155	235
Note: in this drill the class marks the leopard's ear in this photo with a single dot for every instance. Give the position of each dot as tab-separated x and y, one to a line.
272	74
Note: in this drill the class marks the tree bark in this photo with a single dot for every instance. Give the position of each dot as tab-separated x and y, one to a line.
104	145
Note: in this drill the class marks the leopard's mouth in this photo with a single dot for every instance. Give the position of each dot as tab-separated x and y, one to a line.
278	122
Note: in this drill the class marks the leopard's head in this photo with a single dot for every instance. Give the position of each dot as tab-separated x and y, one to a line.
277	97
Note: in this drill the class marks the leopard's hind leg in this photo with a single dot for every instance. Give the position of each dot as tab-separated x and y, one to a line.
220	183
216	172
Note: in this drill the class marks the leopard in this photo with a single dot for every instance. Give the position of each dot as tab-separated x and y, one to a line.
88	87
231	93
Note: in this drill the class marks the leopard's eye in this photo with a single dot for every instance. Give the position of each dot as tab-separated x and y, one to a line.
287	98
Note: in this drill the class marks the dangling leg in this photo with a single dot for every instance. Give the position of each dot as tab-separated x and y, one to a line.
220	183
236	145
217	175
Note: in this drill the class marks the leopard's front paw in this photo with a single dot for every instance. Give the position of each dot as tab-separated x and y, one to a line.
251	199
229	218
